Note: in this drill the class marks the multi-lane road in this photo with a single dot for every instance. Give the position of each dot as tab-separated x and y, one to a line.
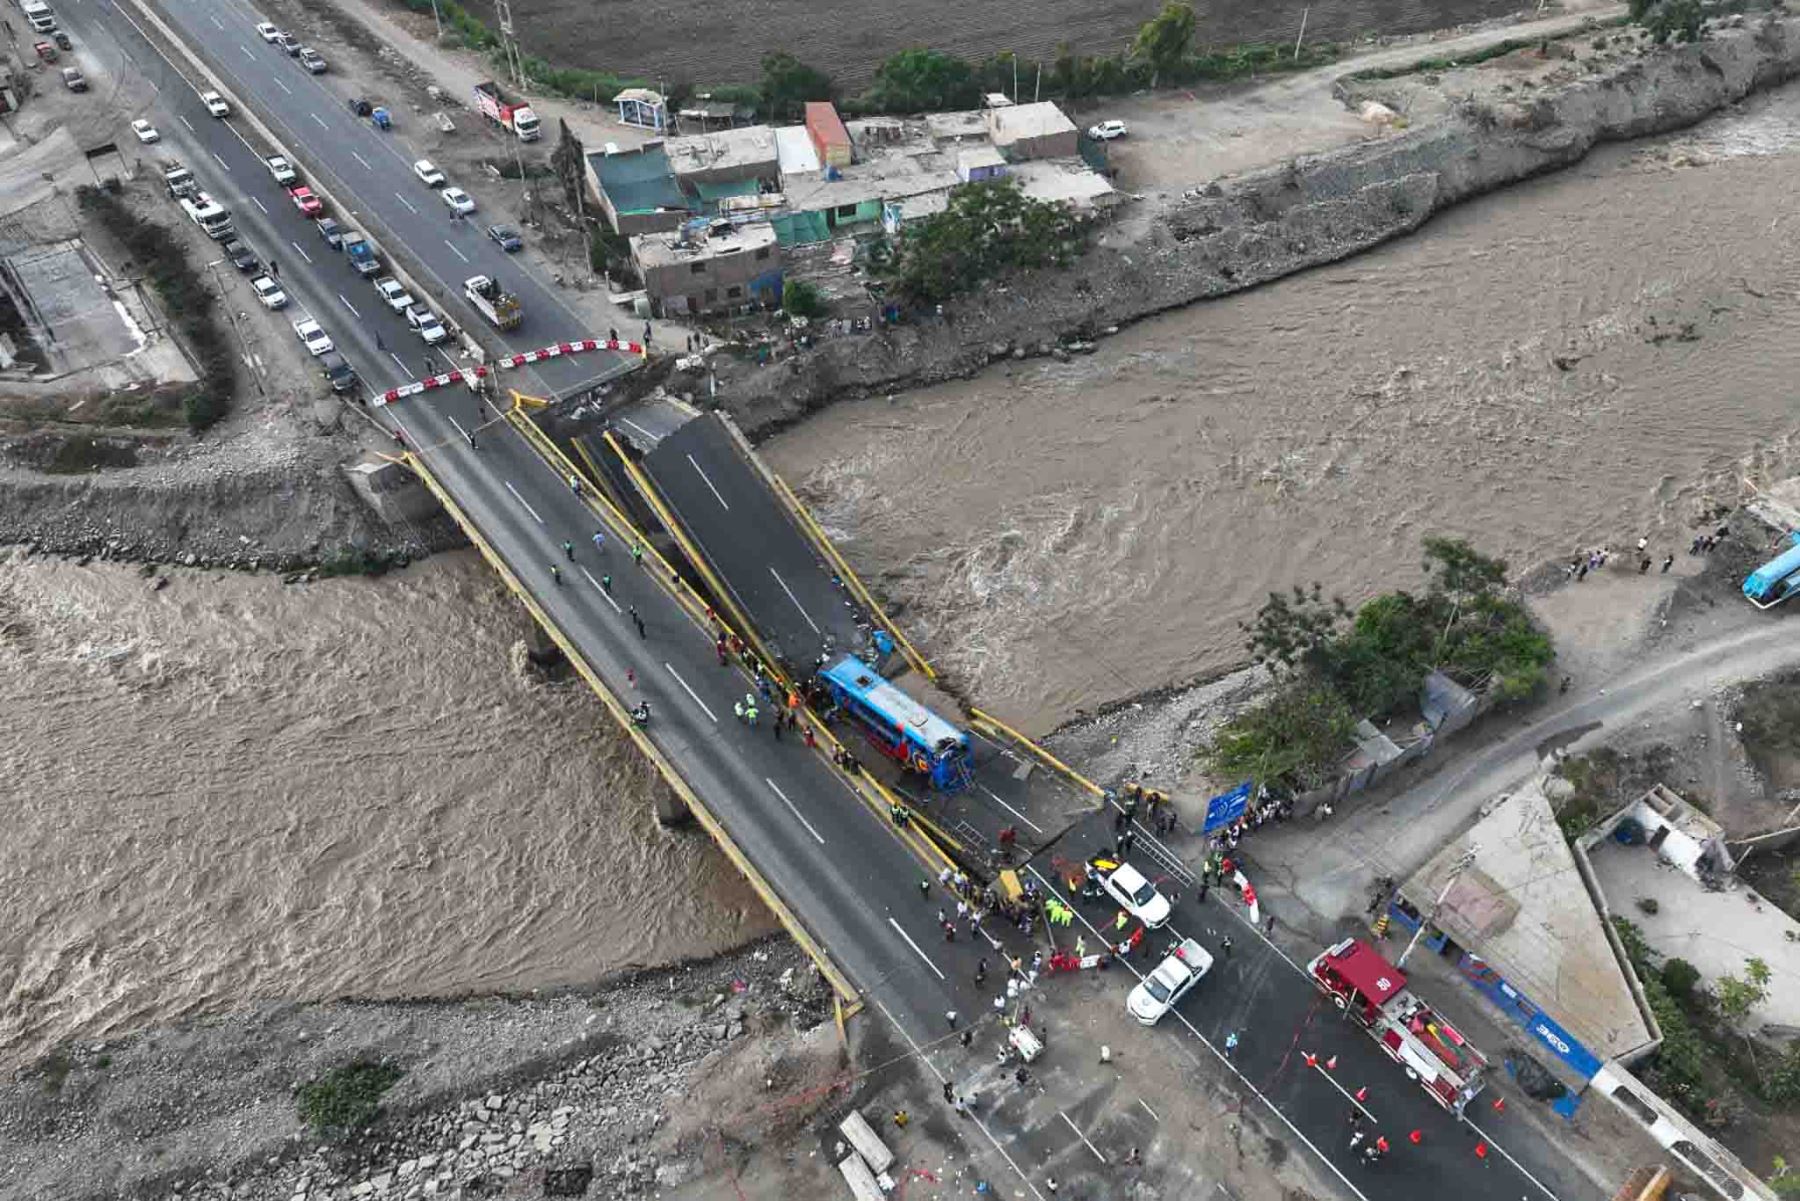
837	863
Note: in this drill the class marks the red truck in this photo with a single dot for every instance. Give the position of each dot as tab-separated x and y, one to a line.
497	108
1373	992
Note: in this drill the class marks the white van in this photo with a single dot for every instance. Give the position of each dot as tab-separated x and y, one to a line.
39	15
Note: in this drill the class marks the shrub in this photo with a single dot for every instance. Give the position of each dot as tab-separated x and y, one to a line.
801	299
346	1099
988	228
1679	977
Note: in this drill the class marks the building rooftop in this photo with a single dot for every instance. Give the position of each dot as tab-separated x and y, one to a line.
1522	906
1017	121
750	146
958	126
638	181
974	158
1066	181
696	245
795	151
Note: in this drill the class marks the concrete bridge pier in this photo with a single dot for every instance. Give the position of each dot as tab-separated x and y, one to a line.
671	810
541	648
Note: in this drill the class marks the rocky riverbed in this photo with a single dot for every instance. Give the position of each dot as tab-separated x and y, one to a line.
616	1092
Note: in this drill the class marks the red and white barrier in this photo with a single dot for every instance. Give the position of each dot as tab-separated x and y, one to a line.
514	360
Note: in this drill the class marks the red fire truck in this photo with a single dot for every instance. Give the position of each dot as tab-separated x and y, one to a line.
1373	991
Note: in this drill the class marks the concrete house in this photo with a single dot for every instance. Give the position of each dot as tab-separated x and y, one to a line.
636	190
701	269
1022	132
713	162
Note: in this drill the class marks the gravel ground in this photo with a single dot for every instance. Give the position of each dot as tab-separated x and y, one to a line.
499	1097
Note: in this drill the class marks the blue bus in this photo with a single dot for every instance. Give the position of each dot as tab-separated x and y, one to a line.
1777	579
901	727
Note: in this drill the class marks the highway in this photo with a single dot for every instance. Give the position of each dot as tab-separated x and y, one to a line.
848	874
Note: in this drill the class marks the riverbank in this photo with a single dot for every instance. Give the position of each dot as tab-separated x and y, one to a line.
1467	131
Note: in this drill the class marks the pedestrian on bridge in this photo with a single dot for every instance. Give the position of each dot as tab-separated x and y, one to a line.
569	550
556	574
719	646
600	541
1231	1040
1225	946
778	727
575	483
606	584
637	553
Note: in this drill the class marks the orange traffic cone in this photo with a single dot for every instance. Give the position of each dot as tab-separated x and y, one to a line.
1312	1061
1362	1094
1417	1137
1480	1150
1499	1104
1332	1063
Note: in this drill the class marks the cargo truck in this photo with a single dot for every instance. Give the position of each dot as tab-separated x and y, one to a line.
494	105
211	216
493	302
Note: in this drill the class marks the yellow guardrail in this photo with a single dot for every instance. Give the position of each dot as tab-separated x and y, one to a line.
839	982
822	541
996	725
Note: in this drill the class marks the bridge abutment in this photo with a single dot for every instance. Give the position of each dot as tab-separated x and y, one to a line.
671	810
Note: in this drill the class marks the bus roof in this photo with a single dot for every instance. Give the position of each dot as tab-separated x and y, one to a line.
859	679
1766	577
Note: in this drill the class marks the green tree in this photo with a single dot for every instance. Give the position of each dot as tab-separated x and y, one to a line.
987	229
802	299
1301	733
788	83
1678	20
1163	41
1292	629
1736	996
921	80
1458	569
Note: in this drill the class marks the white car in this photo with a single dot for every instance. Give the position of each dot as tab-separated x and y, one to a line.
281	169
1106	131
267	32
1135	895
394	293
269	292
1157	993
426	322
458	201
215	104
312	335
146	132
428	174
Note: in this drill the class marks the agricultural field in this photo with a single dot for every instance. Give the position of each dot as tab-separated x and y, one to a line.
701	42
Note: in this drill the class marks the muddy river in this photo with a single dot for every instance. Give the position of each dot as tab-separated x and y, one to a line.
1578	361
231	790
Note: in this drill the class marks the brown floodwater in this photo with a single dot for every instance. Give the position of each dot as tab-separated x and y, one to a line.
232	790
1577	361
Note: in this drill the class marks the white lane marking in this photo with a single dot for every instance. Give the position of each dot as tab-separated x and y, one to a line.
1509	1159
259	204
284	87
297	249
399	363
523	501
603	592
397	196
785	588
350	306
359	158
915	946
784	800
690	692
640	429
215	21
220	161
458	425
246	50
322	125
710	484
187	123
1010	809
453	250
1228	1063
1084	1138
919	1053
1148	1110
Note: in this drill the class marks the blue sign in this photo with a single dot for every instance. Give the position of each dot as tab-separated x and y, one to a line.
1520	1008
1227	807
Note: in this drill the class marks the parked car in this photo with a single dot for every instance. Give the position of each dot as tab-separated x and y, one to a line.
428	174
61	39
332	232
1106	131
394	293
74	80
312	335
241	256
1158	992
281	169
215	104
267	32
360	107
305	201
269	292
289	44
458	201
312	60
146	132
1135	895
426	322
506	237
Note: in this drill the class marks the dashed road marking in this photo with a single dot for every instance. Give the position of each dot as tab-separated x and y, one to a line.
784	800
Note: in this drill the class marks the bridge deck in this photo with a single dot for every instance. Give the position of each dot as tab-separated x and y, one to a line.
751	543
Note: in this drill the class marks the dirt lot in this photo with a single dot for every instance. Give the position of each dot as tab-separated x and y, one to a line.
696	42
1770	717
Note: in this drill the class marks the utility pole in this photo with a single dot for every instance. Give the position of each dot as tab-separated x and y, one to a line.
1461	865
1304	13
231	316
439	18
515	61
